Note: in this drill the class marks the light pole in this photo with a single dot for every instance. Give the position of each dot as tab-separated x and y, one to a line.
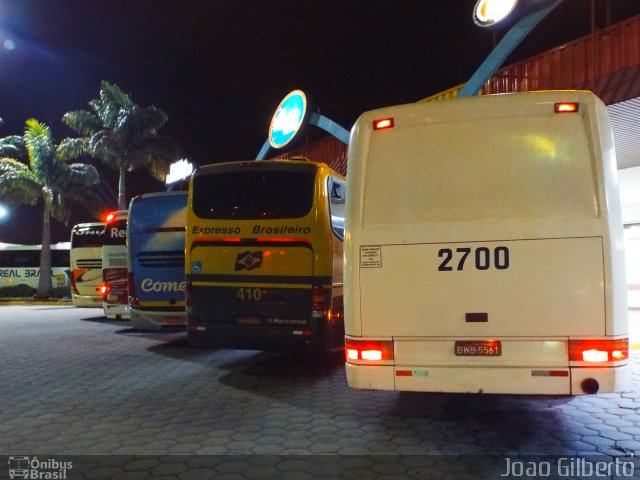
497	13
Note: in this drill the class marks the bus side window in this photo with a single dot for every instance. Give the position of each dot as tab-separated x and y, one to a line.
337	191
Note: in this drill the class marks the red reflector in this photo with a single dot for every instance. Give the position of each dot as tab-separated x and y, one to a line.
404	373
566	107
319	298
597	351
383	123
370	350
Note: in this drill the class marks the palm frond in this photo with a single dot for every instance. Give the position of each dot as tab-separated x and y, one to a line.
89	199
18	184
83	122
106	146
112	101
78	176
71	148
12	146
37	138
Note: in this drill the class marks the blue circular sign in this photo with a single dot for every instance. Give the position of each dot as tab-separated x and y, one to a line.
288	119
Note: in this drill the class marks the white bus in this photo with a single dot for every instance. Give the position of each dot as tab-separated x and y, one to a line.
115	289
484	248
86	264
20	269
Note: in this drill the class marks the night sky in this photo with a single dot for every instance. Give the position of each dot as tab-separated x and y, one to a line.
219	68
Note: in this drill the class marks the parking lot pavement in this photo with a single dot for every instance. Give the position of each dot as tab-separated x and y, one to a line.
76	385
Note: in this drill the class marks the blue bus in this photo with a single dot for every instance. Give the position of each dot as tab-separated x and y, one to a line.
156	235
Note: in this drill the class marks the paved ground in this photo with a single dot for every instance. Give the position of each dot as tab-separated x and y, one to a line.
124	404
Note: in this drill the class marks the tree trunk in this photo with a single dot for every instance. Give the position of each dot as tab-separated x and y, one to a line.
44	280
122	197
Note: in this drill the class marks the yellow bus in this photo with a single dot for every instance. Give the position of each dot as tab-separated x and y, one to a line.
263	256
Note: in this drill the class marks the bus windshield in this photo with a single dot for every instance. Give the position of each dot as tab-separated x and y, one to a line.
31	258
250	195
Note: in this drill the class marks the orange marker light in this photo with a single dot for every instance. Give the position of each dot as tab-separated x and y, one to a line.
566	107
383	123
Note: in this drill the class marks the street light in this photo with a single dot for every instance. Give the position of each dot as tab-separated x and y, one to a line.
489	13
4	212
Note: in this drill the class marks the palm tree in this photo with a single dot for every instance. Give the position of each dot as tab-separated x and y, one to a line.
47	178
123	135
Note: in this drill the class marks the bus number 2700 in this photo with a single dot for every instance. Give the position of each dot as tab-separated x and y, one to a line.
482	258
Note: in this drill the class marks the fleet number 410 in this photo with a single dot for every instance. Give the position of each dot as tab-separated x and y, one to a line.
482	258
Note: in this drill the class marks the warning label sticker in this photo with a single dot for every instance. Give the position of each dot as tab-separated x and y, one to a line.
371	256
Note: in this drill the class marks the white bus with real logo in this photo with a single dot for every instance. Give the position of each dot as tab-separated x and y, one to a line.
484	248
20	269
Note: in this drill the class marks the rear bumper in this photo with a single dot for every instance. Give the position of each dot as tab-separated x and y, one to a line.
254	337
113	310
498	380
147	320
87	300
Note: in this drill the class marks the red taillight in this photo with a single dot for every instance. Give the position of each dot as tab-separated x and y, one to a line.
104	290
371	350
597	351
567	107
383	123
319	298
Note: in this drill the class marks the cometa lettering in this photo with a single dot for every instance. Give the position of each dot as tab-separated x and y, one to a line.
215	230
288	229
148	285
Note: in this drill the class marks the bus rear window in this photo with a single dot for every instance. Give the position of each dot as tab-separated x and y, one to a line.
116	232
86	237
252	195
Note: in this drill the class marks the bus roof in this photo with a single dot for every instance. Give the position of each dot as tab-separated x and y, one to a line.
160	194
18	246
277	163
89	224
